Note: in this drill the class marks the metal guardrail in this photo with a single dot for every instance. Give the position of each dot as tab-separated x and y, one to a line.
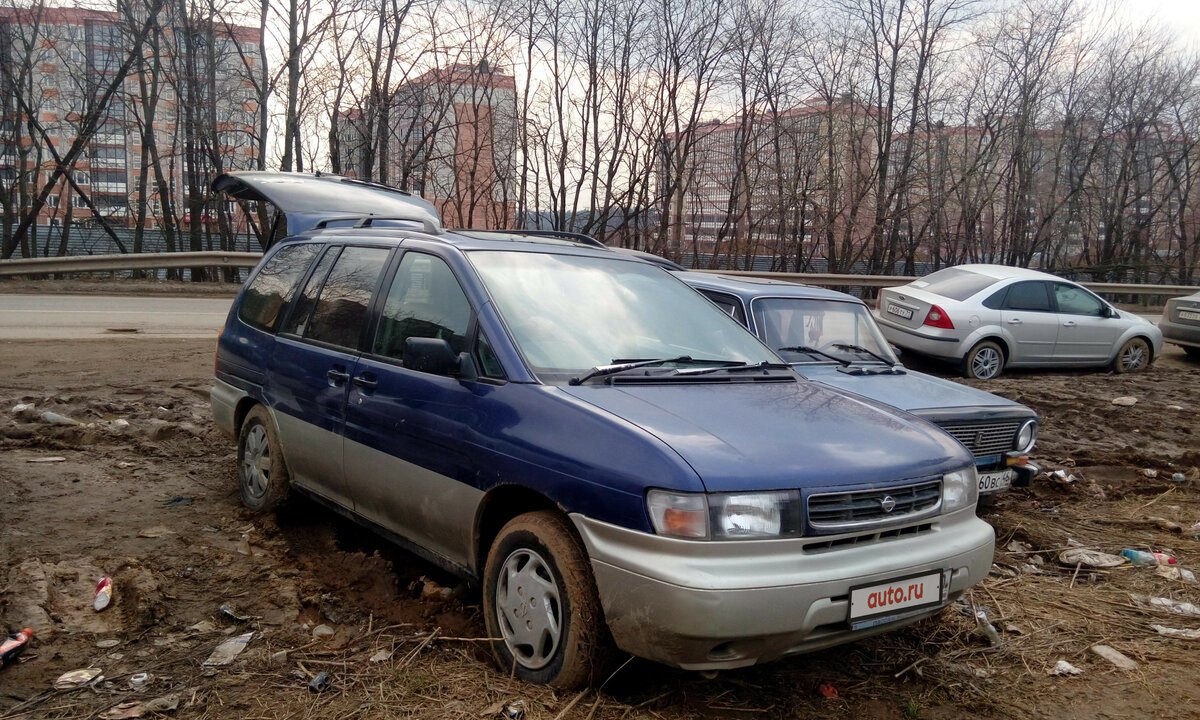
882	281
127	261
153	261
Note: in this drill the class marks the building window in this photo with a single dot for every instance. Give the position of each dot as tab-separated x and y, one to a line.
82	178
77	201
52	202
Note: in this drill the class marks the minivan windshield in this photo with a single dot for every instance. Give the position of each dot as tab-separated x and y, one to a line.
570	313
826	327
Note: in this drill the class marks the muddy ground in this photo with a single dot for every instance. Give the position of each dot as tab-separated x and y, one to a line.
153	504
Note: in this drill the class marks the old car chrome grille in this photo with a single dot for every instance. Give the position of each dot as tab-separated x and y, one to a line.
985	437
867	538
869	507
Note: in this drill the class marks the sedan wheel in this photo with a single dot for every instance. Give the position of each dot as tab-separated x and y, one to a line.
1134	356
262	474
540	604
984	361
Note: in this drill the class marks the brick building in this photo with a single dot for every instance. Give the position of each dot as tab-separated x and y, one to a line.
196	77
451	138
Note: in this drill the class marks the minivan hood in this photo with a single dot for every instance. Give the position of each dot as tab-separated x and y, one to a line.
768	436
911	391
307	199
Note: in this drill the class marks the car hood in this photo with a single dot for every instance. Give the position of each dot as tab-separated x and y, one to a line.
767	436
308	199
912	391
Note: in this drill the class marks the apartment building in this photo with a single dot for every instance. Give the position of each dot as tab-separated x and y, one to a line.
759	182
185	109
451	137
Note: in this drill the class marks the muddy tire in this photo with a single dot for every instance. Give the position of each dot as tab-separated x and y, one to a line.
263	478
1133	356
540	598
984	361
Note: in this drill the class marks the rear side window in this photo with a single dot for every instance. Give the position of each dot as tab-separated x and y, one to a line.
342	306
275	285
954	283
1028	296
298	322
425	301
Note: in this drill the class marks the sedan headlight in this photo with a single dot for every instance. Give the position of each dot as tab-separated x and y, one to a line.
725	516
1026	436
960	489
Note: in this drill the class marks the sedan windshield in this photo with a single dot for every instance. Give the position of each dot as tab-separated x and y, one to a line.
570	313
825	327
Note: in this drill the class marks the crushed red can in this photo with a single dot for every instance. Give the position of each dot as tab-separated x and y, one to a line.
104	591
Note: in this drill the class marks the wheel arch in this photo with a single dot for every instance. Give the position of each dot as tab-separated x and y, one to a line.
501	504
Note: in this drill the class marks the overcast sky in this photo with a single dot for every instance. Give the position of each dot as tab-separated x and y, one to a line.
1182	17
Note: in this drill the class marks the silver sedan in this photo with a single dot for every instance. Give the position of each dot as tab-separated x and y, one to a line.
985	318
1180	323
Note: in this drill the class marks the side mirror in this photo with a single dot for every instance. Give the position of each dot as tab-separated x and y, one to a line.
1109	312
430	355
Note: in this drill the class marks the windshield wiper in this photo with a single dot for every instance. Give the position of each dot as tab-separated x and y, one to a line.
603	370
812	351
735	366
861	349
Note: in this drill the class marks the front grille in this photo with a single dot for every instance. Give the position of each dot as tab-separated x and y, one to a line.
866	507
986	437
867	538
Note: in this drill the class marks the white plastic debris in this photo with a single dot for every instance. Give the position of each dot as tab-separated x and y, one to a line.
51	459
381	656
1064	668
1177	632
1125	400
323	631
1174	572
22	408
1150	473
1114	656
227	651
1090	558
1176	607
77	678
54	418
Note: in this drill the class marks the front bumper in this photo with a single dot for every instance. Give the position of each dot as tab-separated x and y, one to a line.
720	605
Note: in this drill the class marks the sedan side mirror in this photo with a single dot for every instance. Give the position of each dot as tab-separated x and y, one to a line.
430	355
1109	312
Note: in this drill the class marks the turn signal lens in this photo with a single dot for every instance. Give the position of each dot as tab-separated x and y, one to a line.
937	317
683	515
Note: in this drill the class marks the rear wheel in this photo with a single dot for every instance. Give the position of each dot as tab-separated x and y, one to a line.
1192	352
540	602
984	361
1133	356
262	474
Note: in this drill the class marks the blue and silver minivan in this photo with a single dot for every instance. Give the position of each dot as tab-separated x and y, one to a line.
616	463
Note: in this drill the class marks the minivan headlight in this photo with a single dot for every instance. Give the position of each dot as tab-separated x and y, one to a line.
725	516
960	489
1026	436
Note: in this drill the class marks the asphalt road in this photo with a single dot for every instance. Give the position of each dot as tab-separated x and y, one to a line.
72	317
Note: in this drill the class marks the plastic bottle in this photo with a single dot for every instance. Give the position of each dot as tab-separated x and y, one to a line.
13	646
1139	557
1164	558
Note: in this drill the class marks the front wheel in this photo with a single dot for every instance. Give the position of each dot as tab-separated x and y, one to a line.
540	604
262	474
1133	356
984	361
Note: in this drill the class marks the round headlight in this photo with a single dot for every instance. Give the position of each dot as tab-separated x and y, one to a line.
1027	436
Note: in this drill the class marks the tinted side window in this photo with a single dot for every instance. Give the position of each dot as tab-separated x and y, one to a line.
1076	301
728	303
275	285
425	301
304	305
1028	296
342	307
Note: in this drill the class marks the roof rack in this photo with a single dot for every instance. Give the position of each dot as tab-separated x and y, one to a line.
365	221
574	237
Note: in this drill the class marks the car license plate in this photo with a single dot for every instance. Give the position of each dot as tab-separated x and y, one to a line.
1183	315
895	597
900	311
995	481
